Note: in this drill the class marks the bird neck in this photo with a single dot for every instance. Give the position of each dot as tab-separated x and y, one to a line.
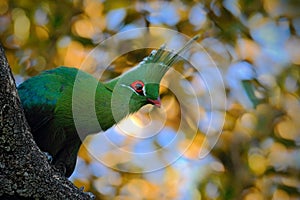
104	106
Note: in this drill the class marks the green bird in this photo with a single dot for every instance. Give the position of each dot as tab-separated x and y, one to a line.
49	104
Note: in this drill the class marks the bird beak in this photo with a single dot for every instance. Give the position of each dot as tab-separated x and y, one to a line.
156	102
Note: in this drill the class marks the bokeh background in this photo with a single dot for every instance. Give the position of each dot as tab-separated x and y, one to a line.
256	46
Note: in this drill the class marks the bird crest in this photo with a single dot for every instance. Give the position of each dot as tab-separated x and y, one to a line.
166	58
159	61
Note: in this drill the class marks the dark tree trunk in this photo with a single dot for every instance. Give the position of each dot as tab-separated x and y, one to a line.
24	169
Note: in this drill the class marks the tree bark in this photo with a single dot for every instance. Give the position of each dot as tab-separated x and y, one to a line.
24	170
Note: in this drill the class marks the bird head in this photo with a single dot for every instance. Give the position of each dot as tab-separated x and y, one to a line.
140	85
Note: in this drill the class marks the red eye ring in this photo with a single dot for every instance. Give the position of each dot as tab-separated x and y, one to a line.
137	86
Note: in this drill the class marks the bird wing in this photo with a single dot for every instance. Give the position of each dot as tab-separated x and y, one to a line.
40	94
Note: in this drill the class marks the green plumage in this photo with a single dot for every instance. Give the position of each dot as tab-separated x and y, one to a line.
49	103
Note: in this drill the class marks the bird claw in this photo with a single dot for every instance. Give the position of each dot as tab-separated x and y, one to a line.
91	195
60	167
49	157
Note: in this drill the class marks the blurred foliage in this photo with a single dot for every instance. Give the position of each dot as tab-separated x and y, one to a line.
256	45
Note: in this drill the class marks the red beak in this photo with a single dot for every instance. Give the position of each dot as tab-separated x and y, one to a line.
156	102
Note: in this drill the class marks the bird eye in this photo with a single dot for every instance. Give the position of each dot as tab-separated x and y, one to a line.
138	87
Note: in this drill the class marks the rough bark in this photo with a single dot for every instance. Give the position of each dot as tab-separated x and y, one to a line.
24	170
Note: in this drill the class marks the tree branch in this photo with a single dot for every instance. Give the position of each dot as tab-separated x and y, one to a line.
24	169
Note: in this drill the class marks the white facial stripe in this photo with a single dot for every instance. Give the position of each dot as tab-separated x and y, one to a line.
123	85
144	90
